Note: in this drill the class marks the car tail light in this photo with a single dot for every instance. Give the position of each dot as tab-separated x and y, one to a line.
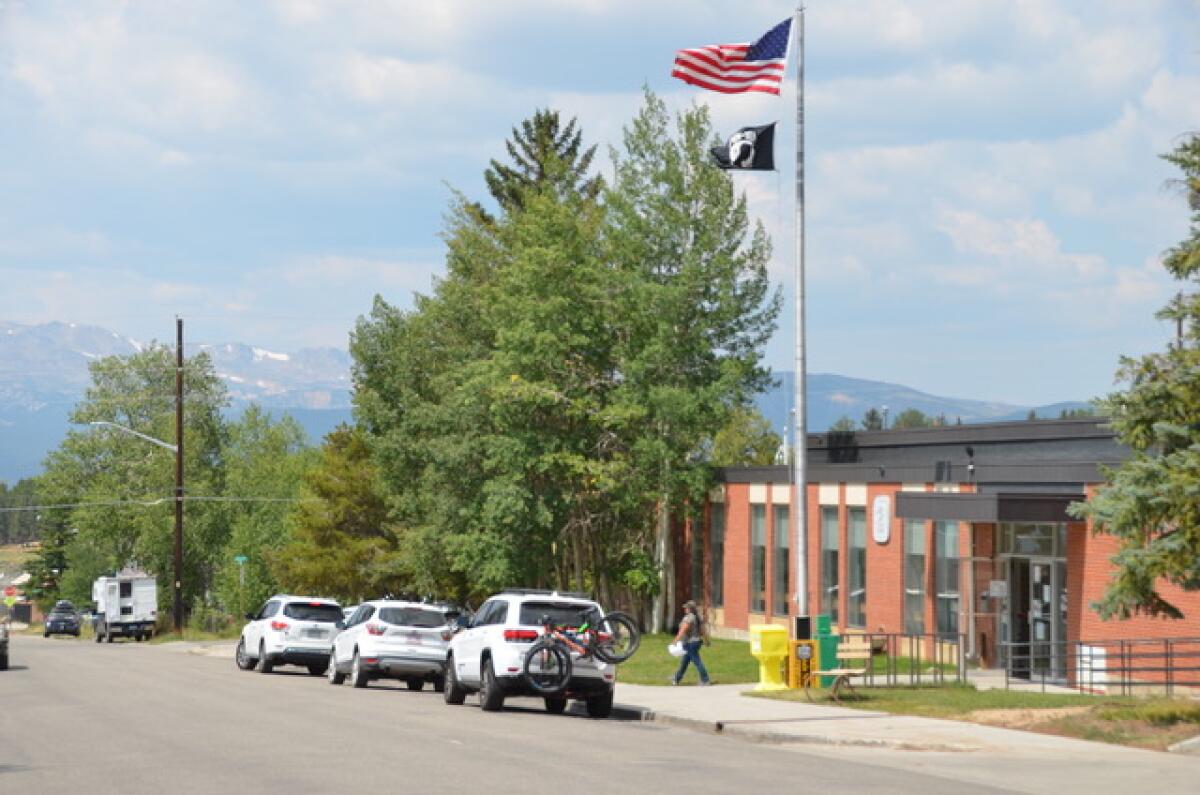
447	634
376	629
279	625
520	635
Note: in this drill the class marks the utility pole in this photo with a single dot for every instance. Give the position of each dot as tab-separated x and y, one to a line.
177	614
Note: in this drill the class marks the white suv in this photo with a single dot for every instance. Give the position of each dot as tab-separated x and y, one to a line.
390	638
289	630
488	654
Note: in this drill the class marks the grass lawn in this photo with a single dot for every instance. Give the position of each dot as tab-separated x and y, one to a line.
1153	723
728	662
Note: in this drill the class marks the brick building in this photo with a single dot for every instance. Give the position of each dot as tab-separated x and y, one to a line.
959	532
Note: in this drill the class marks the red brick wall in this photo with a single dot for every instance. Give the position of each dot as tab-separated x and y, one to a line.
1089	571
885	567
737	555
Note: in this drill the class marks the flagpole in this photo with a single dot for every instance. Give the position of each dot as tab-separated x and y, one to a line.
799	419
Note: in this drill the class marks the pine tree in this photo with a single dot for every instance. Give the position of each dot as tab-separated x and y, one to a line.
544	154
1150	502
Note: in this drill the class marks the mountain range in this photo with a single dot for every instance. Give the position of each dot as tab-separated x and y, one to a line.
43	374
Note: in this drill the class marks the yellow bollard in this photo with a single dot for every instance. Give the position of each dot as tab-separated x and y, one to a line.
769	645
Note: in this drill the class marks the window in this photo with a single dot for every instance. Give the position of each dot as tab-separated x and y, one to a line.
914	577
716	557
829	562
945	571
561	615
313	611
856	560
783	530
421	617
758	558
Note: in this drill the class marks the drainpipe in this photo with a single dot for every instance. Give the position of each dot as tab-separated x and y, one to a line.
972	651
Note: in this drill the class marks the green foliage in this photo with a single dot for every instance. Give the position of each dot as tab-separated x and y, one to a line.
1151	503
843	425
545	155
1068	414
872	420
340	543
17	526
746	440
533	415
121	487
912	418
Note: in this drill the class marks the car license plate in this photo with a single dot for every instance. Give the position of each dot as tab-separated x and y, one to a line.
314	633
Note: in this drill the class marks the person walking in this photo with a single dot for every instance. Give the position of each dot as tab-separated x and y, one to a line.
692	635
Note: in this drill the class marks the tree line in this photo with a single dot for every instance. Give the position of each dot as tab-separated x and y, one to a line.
538	418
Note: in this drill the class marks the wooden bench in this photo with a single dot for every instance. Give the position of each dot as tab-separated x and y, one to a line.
854	658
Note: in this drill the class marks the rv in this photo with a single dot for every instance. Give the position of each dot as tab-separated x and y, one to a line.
126	604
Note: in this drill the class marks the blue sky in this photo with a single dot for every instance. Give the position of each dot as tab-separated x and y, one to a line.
986	208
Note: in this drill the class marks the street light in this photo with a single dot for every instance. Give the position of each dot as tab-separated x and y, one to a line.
177	449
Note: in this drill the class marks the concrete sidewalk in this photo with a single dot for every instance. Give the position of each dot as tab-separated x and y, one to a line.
985	754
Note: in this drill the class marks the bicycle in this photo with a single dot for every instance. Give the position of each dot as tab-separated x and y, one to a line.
613	638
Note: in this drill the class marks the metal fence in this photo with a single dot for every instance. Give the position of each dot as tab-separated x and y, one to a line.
1124	667
899	659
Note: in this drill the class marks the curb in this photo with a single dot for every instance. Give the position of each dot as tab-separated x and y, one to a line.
754	732
1190	746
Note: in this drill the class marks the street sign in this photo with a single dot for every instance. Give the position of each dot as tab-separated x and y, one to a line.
10	591
10	600
240	559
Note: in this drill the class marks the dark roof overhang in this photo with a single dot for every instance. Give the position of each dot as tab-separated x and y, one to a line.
970	507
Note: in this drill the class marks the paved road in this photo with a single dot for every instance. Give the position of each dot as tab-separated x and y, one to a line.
134	718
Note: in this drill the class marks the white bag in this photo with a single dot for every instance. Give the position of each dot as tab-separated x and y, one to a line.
676	649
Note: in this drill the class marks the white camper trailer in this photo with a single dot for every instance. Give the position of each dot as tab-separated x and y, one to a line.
126	604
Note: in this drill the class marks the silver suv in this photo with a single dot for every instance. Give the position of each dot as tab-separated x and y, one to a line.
488	654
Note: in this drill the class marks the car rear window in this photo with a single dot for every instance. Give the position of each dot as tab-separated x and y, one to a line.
306	611
561	614
413	617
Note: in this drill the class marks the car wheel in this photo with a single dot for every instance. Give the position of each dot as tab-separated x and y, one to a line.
491	697
358	676
556	705
239	656
108	636
45	634
265	666
4	661
138	637
415	685
99	634
452	692
334	677
439	683
600	706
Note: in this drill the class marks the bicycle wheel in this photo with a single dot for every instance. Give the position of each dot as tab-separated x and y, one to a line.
547	668
616	638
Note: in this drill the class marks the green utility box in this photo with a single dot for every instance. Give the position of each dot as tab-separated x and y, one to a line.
827	646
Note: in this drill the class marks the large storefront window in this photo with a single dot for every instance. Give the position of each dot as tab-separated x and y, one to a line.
829	562
856	598
914	577
716	554
758	558
779	600
945	571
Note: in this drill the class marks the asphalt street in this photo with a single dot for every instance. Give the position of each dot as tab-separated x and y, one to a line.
134	718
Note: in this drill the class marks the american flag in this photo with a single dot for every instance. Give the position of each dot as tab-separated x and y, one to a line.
735	68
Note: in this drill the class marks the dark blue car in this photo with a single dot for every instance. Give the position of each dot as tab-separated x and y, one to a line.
63	620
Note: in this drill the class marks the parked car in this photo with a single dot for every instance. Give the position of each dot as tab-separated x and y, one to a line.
62	620
289	630
347	612
487	655
389	638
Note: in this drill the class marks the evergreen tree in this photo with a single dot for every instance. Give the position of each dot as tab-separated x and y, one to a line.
872	420
1150	502
544	154
843	425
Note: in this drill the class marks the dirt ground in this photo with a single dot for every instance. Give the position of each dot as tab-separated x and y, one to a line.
1083	723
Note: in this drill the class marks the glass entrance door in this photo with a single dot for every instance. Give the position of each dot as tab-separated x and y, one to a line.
1041	616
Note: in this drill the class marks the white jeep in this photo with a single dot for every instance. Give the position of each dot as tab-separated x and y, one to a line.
487	655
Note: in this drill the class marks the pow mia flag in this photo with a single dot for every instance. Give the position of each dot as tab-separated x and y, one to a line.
748	149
